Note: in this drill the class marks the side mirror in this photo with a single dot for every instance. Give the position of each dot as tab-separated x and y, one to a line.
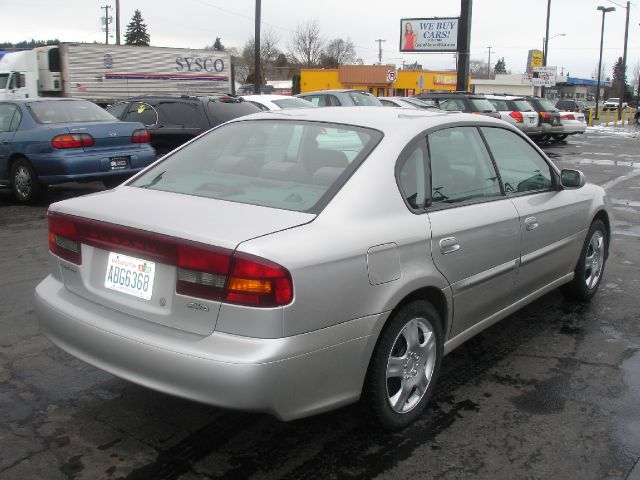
572	178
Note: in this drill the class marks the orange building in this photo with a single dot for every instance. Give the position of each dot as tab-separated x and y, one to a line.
381	80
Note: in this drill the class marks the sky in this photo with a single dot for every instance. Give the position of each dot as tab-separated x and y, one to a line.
510	27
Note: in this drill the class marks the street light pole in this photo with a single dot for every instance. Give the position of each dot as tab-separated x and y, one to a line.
604	10
624	63
256	44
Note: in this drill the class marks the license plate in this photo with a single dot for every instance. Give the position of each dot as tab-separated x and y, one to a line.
532	121
130	275
119	163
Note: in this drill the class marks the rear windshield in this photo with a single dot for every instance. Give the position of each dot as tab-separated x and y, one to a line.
290	165
293	102
481	105
69	111
420	103
546	106
523	106
222	111
364	99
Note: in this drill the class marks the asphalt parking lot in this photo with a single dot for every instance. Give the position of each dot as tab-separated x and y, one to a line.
550	392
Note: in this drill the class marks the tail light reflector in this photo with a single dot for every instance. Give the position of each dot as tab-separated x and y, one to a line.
517	116
141	136
63	238
203	271
72	140
568	116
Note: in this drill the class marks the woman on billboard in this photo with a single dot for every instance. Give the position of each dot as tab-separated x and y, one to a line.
409	37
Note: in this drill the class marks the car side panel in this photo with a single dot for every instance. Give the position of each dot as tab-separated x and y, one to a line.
550	249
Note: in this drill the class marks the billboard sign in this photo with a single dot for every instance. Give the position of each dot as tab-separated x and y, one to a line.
544	76
534	59
429	34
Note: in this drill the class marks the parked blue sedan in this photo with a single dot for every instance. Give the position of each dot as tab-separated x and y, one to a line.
49	141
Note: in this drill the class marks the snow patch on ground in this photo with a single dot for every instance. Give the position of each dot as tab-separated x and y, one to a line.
630	131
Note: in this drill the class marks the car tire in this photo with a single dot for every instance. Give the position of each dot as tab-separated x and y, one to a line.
24	182
590	267
404	366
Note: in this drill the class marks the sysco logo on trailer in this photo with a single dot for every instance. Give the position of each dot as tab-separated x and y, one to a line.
198	64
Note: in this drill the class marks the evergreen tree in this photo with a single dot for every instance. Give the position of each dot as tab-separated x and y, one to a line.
137	31
501	67
217	45
619	76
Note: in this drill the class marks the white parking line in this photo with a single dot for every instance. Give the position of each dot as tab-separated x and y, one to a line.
620	179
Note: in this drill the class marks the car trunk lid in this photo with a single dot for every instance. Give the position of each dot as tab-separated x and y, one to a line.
131	235
107	135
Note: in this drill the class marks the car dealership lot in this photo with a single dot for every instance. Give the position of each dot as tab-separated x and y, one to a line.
552	391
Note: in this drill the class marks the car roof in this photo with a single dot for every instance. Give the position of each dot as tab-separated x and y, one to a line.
385	119
266	97
45	99
504	97
337	90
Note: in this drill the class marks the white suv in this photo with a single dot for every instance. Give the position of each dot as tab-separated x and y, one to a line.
518	112
612	104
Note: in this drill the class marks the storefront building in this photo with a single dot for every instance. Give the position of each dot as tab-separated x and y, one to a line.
381	80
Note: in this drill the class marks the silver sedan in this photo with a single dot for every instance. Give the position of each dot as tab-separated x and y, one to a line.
293	262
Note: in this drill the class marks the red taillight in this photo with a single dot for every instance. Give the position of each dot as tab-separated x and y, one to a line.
203	271
258	282
568	116
545	115
141	136
517	116
63	238
73	140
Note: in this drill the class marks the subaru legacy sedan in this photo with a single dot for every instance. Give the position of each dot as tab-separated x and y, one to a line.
296	261
46	141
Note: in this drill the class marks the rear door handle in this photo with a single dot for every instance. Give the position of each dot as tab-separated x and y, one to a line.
449	245
531	223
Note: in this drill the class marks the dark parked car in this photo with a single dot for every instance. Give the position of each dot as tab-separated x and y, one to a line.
248	89
461	102
45	141
174	120
549	118
341	98
572	106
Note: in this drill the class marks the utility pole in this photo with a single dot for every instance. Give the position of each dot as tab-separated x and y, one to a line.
464	45
546	44
256	71
604	12
106	23
380	40
117	22
624	63
489	65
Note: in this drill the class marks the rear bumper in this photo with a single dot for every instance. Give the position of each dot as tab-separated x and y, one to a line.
59	167
574	127
552	129
288	377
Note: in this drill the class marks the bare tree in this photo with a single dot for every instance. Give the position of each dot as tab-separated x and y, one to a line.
269	52
338	52
305	46
478	68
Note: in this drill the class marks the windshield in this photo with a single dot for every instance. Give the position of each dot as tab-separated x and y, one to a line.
482	105
291	165
614	100
293	102
363	99
64	111
3	80
420	103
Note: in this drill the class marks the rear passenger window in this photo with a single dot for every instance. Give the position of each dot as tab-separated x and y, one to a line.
411	176
461	169
521	168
